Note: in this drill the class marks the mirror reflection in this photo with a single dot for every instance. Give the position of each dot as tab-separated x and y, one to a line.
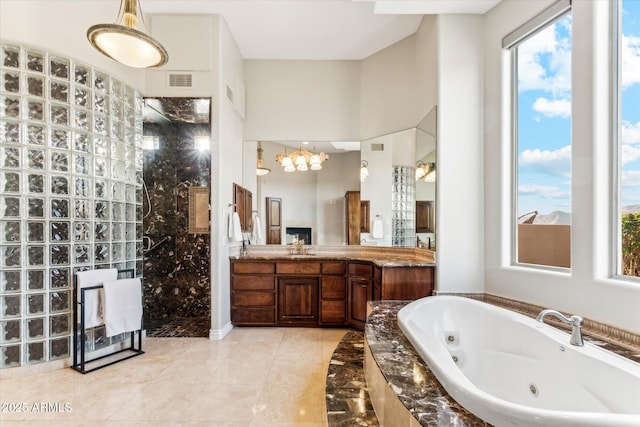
392	177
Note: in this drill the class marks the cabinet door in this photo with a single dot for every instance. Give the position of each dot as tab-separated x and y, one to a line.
298	300
359	294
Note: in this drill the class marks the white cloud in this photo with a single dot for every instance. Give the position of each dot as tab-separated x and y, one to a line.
552	162
629	153
631	179
630	52
553	108
630	132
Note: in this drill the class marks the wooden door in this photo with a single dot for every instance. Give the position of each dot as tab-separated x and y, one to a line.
298	300
352	217
238	200
274	221
424	216
248	211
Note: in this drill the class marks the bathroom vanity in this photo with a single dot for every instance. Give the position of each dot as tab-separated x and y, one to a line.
325	289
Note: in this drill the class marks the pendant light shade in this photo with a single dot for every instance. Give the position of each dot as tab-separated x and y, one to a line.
124	43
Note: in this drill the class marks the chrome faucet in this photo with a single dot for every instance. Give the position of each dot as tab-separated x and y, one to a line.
574	321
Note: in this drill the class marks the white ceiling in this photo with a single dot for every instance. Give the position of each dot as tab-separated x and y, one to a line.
317	29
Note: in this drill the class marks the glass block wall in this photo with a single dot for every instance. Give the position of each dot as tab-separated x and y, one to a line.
70	195
403	207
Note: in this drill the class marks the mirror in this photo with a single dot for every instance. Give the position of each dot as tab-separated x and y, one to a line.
315	199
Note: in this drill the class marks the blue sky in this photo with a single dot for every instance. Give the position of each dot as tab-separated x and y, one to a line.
544	109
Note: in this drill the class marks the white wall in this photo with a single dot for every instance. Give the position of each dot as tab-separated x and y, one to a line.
377	187
586	290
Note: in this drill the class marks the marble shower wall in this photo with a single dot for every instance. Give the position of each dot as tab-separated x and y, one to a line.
176	272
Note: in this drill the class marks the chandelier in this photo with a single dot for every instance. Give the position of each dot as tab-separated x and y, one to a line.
364	170
425	171
301	160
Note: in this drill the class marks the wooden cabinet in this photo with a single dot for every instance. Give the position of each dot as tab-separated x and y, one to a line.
243	201
253	293
406	283
298	301
352	217
333	294
425	216
360	286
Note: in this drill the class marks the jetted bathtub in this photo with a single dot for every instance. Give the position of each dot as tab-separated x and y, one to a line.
511	370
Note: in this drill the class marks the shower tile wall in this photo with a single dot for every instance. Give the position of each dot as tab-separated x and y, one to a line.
177	280
70	195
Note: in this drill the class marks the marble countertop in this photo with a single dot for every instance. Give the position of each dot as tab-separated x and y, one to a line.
382	257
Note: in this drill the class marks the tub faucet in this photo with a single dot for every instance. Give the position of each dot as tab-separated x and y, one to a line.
574	321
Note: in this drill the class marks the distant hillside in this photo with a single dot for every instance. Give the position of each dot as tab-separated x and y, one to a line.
555	217
630	209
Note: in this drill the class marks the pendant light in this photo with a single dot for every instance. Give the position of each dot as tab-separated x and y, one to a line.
123	42
260	169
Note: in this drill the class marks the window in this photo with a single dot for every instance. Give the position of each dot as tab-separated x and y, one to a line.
628	138
541	67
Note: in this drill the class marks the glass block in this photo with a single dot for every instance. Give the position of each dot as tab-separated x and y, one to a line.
35	85
35	134
117	111
81	231
35	255
83	98
35	304
101	252
100	82
9	106
139	158
60	278
10	157
139	230
10	182
59	254
101	231
117	191
82	120
102	210
35	110
36	207
10	306
82	75
60	138
117	150
59	325
9	331
35	280
82	142
100	103
59	208
129	96
10	81
139	250
82	187
117	129
10	281
59	185
59	91
59	67
59	115
59	348
81	254
131	250
9	231
117	231
9	206
59	161
35	231
59	301
117	252
129	153
10	356
117	212
35	328
117	88
35	183
59	231
35	61
35	352
100	124
81	165
10	256
35	159
129	116
100	189
10	56
100	146
130	214
9	132
82	209
117	171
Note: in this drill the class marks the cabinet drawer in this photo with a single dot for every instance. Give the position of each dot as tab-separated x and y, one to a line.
333	312
254	316
333	287
298	267
363	270
253	298
333	268
267	283
254	267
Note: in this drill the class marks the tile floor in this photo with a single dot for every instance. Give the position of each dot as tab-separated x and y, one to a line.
254	377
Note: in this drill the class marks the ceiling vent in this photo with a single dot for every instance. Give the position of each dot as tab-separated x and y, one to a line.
180	80
377	147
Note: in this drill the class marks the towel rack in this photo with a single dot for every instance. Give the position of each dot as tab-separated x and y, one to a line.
80	360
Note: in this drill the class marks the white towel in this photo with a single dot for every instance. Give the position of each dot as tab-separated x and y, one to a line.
257	229
122	306
93	298
377	228
235	230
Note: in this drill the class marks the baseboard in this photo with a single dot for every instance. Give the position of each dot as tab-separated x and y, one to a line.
218	334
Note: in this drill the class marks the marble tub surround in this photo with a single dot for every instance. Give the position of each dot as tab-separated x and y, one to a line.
380	256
